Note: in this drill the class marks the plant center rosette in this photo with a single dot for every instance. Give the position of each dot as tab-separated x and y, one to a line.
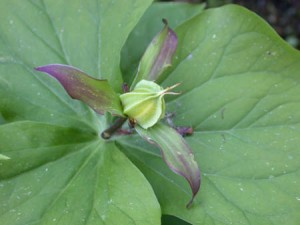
143	105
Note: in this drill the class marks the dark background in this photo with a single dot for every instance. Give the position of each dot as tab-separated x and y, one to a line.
282	15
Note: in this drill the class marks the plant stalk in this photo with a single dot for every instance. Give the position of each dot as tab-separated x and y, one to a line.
106	134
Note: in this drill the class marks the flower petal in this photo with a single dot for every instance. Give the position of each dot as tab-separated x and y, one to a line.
157	56
96	93
175	152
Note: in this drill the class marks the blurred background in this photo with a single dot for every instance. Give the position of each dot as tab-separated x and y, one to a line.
282	15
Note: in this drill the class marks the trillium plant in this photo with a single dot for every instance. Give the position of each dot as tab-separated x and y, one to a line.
142	104
108	113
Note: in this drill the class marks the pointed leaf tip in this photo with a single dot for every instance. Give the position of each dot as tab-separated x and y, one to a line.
157	56
175	152
96	93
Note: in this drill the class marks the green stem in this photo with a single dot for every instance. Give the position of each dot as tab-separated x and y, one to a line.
113	128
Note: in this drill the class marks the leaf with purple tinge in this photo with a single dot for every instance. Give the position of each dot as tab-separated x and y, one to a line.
98	94
175	152
157	56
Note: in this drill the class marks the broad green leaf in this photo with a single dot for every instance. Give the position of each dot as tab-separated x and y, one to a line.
60	171
87	35
59	175
96	93
175	152
240	93
31	144
149	25
157	56
77	33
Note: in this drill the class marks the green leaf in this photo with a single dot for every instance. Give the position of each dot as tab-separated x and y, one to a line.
60	171
175	13
86	35
175	152
98	94
240	93
157	56
37	143
59	175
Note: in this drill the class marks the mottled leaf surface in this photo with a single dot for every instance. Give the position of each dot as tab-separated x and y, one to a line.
240	93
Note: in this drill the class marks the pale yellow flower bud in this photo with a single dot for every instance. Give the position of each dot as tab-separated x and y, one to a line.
145	104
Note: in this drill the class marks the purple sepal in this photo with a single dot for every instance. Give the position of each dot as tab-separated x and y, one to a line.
96	93
175	152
